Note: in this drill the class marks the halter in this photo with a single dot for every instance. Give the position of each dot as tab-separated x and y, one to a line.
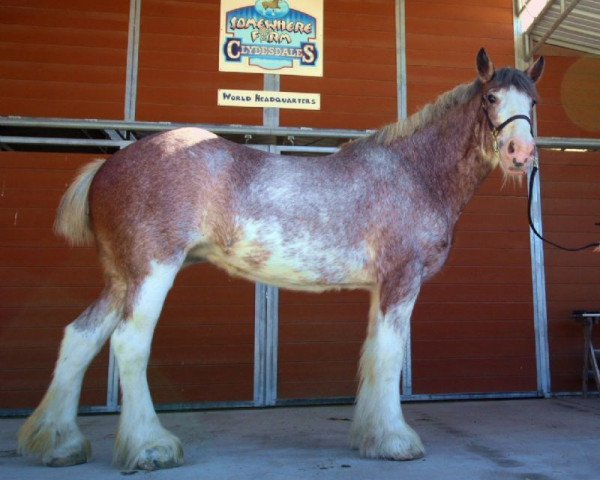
496	130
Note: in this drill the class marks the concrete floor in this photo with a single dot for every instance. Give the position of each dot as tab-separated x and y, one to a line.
488	440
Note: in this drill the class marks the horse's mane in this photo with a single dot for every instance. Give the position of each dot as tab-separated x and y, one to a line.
430	113
438	109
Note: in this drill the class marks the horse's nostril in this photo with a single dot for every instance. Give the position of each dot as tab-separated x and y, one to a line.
518	164
511	147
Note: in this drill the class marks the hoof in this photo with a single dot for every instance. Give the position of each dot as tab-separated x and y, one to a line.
56	445
394	447
156	458
153	454
402	445
76	457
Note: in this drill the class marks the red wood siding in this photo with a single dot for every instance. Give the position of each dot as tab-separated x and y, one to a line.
63	59
473	324
358	89
570	203
320	336
43	283
204	347
179	66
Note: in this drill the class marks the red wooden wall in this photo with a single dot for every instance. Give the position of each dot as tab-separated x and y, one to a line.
63	59
570	101
44	284
179	66
473	324
204	348
358	88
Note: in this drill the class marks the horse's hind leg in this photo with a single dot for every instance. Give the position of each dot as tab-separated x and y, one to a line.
142	442
51	432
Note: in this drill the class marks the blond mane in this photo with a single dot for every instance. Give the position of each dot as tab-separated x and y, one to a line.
430	113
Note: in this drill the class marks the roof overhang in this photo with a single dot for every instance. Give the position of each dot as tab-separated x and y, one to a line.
573	24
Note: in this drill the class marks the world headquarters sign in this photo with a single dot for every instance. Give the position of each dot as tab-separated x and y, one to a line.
272	36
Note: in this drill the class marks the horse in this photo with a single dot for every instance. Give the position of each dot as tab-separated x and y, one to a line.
378	215
271	4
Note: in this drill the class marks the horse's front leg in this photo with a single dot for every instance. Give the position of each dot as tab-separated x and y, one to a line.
379	429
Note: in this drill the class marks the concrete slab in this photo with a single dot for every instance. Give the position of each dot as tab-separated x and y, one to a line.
556	439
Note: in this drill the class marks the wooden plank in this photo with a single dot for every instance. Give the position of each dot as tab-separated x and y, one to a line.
198	375
441	384
461	330
173	314
52	296
49	257
485	367
31	398
312	389
484	348
445	315
47	57
100	6
318	372
314	332
207	355
65	18
318	352
64	37
207	392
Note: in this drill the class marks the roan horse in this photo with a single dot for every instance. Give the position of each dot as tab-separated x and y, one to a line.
377	215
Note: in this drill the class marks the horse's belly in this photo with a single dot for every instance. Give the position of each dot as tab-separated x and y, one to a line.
301	262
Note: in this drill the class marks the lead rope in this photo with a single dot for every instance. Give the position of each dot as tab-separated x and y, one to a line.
495	132
534	170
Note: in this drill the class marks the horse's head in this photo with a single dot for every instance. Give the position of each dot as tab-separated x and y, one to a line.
508	97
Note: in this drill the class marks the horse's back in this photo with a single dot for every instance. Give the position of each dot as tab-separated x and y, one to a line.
148	201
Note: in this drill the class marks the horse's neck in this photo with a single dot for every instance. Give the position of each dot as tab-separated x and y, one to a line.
449	156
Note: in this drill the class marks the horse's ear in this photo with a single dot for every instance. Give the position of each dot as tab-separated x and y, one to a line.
485	67
535	71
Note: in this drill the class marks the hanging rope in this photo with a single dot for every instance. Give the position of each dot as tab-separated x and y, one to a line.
537	234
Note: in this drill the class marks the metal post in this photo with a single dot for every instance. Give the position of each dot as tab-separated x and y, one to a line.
112	389
266	345
133	48
272	345
538	270
271	115
260	329
267	305
401	86
540	313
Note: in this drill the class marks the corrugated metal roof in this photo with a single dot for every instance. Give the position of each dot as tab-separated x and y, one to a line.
571	24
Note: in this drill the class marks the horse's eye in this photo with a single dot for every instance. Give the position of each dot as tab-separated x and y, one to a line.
491	98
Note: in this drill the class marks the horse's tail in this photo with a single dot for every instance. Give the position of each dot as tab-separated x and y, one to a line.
73	216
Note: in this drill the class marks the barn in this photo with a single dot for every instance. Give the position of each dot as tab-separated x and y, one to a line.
81	80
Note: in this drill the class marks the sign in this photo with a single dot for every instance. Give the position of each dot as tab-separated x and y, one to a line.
282	37
255	98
